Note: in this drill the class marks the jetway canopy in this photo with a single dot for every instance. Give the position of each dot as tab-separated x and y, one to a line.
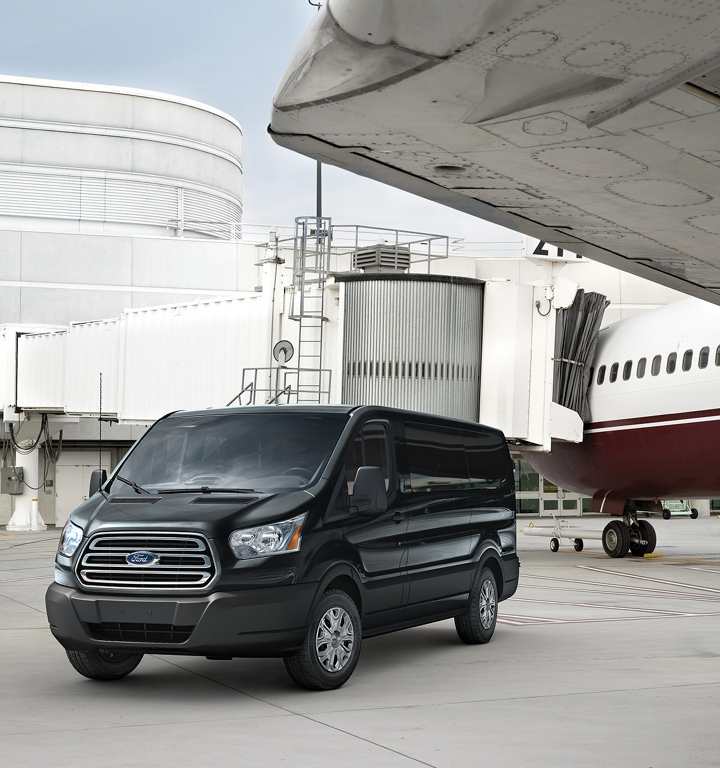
455	346
589	124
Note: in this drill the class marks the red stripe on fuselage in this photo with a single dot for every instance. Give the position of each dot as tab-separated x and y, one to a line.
652	419
675	460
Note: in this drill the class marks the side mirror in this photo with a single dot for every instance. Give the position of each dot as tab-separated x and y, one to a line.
369	496
98	478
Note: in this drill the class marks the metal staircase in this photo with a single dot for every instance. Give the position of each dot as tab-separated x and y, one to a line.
311	265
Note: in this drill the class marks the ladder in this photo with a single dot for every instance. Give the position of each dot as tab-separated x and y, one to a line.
311	265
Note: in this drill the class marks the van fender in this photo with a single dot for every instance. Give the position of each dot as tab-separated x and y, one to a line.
339	570
489	554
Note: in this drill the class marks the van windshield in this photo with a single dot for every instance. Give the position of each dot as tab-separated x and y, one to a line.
239	451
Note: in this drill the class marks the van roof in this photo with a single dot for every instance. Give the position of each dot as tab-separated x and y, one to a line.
339	409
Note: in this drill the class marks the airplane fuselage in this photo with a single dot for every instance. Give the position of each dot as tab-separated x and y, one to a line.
655	404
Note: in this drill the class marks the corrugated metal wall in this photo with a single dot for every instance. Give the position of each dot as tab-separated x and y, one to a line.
413	344
118	200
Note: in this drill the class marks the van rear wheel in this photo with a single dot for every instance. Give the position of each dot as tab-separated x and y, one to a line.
331	647
103	663
477	624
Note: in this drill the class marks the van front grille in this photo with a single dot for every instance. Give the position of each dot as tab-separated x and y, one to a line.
139	633
177	561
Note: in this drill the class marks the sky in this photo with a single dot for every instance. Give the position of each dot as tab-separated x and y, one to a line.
231	54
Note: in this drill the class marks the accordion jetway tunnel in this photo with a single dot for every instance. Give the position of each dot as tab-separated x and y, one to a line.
359	319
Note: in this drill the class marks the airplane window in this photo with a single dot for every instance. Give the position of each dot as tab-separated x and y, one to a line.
641	367
687	360
601	375
717	356
592	374
627	370
614	371
703	357
656	363
671	361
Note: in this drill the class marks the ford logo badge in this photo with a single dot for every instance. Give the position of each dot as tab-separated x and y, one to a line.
142	557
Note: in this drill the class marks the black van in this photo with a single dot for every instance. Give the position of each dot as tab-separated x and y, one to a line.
286	531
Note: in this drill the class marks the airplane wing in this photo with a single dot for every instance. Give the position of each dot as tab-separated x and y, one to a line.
590	124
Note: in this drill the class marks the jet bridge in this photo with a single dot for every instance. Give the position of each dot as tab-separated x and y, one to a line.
343	314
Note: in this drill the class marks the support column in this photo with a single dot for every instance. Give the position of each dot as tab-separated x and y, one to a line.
26	516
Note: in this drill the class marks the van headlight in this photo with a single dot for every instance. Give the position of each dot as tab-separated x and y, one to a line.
70	539
270	539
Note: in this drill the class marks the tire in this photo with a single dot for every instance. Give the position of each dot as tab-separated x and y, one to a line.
477	625
104	664
615	539
666	514
336	619
554	545
648	533
694	513
579	545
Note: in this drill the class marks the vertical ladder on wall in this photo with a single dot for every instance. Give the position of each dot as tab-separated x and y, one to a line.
311	265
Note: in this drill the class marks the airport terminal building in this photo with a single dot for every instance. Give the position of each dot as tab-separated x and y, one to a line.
123	255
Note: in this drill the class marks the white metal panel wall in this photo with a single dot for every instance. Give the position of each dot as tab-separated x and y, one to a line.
414	344
41	371
7	366
91	349
189	356
97	197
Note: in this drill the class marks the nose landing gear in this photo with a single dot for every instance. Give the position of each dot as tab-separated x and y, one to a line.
629	535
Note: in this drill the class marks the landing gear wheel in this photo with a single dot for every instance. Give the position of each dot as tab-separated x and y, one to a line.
554	545
666	514
579	545
331	648
694	513
616	539
104	664
648	533
477	624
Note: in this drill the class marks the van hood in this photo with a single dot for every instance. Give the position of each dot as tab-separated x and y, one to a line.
213	514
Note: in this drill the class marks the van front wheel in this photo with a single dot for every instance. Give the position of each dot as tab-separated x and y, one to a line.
104	664
477	624
331	647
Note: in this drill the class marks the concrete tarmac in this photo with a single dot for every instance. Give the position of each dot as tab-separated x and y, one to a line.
595	662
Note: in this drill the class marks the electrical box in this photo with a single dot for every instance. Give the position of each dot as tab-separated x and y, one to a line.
11	480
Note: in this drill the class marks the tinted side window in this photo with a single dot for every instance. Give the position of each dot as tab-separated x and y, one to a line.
641	367
367	449
487	459
671	362
656	365
433	458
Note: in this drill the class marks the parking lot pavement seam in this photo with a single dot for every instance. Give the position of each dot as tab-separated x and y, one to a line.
303	715
20	602
532	697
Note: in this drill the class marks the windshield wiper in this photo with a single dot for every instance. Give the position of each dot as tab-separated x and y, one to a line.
137	488
207	489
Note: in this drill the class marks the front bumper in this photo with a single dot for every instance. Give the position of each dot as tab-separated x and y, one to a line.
266	621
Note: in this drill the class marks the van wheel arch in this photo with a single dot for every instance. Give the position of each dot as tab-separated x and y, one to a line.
345	579
490	560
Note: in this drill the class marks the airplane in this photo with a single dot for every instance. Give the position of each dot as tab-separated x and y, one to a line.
655	421
588	124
